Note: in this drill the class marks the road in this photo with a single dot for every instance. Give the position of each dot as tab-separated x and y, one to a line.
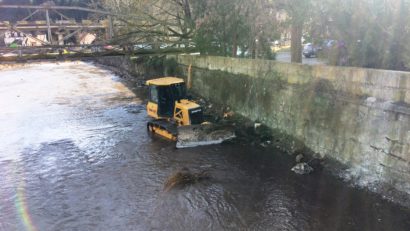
285	57
75	155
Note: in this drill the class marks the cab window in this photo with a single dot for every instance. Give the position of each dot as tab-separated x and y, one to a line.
179	91
153	94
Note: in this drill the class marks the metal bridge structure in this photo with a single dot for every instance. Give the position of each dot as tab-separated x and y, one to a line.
57	31
54	34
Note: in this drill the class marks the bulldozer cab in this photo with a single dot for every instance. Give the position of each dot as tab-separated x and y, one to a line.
167	99
163	93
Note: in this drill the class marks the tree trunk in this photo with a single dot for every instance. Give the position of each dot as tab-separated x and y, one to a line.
234	45
296	42
395	58
253	49
187	10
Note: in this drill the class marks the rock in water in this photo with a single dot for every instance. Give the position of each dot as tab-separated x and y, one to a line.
184	177
302	168
206	134
299	158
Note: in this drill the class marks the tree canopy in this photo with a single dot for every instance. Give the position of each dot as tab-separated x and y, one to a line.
219	27
376	33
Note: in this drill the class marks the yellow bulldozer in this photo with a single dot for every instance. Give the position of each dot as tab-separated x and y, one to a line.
177	118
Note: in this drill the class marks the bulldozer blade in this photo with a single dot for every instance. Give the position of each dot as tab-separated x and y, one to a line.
204	134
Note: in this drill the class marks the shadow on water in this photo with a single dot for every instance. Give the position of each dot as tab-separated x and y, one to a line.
106	173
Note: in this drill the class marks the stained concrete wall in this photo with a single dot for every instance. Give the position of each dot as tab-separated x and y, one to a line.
359	117
143	67
123	65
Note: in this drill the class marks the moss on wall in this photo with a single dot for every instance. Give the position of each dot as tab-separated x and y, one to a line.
347	114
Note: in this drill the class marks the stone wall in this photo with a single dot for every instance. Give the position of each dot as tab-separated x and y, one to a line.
122	65
143	67
359	117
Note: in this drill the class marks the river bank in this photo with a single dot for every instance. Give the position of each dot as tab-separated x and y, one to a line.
287	143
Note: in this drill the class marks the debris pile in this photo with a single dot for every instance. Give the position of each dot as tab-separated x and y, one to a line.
207	134
184	177
302	167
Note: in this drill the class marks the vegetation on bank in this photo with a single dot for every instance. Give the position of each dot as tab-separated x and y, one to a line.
374	33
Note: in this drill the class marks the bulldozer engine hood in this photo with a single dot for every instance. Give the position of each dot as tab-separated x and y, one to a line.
194	110
188	105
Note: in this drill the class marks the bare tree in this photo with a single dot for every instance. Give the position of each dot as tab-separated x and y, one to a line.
152	20
298	12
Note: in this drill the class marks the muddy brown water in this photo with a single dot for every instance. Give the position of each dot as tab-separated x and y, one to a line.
75	155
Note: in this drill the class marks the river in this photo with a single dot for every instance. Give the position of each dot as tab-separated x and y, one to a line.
75	155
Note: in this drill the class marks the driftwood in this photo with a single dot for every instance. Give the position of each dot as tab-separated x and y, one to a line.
184	177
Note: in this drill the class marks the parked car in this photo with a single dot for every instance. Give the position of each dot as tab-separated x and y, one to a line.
309	50
330	43
143	46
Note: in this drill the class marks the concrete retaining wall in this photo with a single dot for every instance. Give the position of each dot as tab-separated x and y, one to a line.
121	64
129	68
359	117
